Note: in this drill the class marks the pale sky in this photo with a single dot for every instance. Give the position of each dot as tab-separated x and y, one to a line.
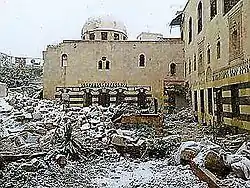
28	26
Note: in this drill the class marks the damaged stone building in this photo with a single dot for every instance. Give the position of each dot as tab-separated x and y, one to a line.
105	67
216	34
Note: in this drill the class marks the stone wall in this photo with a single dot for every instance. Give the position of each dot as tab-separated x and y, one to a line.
231	30
83	58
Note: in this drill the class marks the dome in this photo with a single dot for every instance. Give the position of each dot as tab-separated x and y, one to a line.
104	23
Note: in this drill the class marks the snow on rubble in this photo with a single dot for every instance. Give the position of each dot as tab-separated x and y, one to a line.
42	144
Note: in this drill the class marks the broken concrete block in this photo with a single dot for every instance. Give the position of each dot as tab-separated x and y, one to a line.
215	163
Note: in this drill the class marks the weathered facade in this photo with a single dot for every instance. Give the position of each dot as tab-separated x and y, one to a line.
217	60
104	55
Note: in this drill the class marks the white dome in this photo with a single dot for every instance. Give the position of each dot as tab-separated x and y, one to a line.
104	23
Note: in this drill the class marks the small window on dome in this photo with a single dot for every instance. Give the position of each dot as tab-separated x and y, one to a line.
104	35
92	36
116	36
124	38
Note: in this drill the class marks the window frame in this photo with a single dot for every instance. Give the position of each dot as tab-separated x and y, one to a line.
104	35
200	17
144	60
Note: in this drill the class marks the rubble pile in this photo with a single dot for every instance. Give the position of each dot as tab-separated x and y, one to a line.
26	79
232	169
43	144
183	124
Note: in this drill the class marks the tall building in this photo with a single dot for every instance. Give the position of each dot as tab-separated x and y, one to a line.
216	38
104	63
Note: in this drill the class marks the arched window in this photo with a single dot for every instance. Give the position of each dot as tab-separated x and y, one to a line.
200	19
218	50
100	65
142	60
208	56
172	68
107	65
195	62
190	30
213	8
64	61
190	66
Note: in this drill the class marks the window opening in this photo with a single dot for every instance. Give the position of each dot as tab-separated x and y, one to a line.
64	60
195	65
172	68
208	56
200	18
218	50
100	65
190	30
107	65
104	35
116	36
202	101
213	8
92	36
142	60
210	100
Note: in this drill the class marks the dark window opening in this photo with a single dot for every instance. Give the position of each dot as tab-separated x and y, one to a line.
213	8
64	62
195	101
210	100
83	37
189	67
142	60
208	56
104	99
190	30
185	69
182	35
200	19
92	36
195	62
219	105
172	69
200	59
116	36
107	65
229	4
218	50
202	101
100	65
104	58
235	100
104	35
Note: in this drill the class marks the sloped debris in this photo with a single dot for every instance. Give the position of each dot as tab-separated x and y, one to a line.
82	147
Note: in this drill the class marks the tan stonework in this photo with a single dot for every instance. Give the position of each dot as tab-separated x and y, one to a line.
233	65
84	56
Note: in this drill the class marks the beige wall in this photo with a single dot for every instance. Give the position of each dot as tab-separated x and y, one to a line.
83	57
213	30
